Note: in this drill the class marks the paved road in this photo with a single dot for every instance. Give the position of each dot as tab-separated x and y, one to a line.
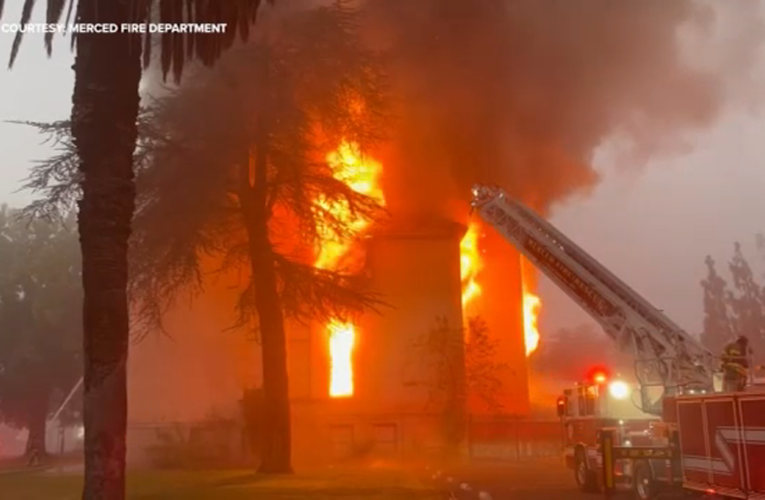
537	480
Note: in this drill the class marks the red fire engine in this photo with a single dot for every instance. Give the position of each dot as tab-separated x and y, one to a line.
678	432
597	403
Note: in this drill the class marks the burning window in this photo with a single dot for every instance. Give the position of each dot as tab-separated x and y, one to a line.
360	173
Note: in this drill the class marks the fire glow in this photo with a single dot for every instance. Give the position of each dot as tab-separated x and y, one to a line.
361	174
470	265
531	307
342	337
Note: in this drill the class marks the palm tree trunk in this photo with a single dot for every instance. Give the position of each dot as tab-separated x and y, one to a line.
105	108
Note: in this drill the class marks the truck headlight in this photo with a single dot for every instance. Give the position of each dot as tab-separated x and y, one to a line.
619	390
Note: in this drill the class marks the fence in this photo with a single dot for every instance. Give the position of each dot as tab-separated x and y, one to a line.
508	439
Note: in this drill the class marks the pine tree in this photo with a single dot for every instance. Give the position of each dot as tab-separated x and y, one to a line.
747	302
760	241
718	329
40	320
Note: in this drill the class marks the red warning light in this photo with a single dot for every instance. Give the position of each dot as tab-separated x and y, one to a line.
597	375
562	407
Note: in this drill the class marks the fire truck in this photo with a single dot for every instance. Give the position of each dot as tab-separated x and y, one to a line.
667	428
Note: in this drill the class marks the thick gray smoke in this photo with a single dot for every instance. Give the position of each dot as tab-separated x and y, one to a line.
521	92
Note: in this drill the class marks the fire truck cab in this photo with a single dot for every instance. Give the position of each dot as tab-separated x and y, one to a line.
714	442
601	402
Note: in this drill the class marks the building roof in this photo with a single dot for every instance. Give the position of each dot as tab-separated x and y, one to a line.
419	226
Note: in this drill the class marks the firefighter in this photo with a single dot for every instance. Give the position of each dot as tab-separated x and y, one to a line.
735	365
34	458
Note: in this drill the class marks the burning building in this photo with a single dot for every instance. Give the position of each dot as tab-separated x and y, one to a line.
366	384
518	94
362	382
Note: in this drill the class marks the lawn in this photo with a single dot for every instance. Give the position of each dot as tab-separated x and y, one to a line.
349	484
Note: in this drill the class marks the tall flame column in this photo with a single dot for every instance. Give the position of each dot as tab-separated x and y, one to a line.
498	298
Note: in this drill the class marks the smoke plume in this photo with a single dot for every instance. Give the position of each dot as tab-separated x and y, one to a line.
521	93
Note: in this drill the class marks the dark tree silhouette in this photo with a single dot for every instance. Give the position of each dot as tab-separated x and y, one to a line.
746	302
40	320
105	102
718	330
233	166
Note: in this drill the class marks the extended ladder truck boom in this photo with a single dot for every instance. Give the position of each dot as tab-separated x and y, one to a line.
667	358
703	443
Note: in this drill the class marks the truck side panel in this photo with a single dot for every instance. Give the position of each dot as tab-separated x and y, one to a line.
752	434
725	450
694	449
722	444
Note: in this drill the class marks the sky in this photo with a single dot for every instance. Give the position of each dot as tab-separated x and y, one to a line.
651	226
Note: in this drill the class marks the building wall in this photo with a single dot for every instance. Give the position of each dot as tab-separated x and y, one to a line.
325	433
418	275
415	267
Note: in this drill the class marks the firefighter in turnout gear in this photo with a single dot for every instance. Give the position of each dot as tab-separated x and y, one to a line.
735	365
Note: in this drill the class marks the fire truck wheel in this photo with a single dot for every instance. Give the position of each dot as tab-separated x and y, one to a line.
585	478
643	482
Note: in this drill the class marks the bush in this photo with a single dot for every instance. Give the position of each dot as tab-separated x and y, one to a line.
207	445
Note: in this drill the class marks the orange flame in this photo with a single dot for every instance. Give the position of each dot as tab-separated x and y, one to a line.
470	265
361	174
342	337
532	304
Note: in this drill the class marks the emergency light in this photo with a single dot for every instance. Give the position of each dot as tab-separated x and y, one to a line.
619	390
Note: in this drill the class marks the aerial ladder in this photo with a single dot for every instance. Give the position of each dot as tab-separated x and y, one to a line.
669	362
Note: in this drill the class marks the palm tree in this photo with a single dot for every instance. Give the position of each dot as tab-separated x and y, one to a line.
105	105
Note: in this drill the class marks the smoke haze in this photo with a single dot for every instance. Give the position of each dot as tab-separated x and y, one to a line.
520	93
523	93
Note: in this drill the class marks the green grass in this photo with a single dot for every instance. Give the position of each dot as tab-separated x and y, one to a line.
378	484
